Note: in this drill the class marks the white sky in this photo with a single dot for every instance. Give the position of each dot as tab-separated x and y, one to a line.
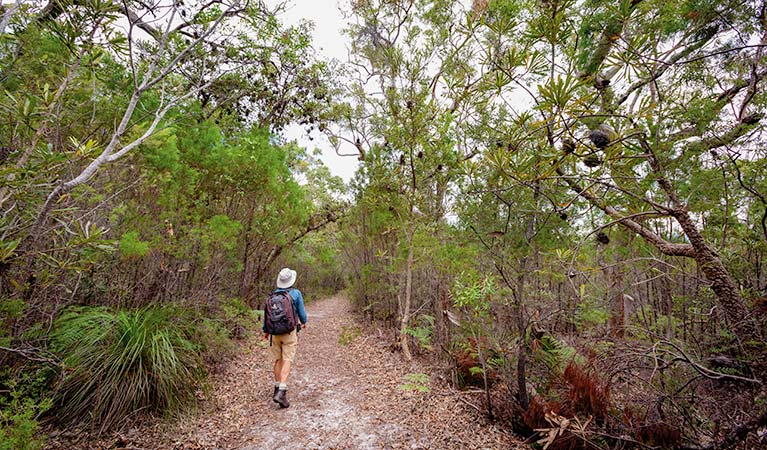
329	42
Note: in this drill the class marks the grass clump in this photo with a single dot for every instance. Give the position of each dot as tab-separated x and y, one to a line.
119	362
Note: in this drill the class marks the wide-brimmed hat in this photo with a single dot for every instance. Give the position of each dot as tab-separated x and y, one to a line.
286	278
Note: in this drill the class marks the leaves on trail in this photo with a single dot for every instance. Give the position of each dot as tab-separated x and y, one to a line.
342	396
559	426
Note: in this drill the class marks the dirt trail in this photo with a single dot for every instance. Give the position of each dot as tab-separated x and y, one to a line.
342	397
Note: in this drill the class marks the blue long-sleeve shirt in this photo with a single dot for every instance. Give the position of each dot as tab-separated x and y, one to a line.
298	305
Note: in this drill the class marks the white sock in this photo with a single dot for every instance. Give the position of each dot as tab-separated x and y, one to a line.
283	386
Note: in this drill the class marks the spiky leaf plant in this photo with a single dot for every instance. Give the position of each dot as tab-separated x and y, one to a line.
120	362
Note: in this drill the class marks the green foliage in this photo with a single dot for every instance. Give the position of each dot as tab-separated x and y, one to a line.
119	362
556	354
416	382
317	258
131	246
474	293
161	152
423	332
214	341
222	231
348	334
590	313
7	250
12	308
20	407
240	317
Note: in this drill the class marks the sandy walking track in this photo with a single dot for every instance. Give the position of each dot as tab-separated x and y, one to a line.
342	397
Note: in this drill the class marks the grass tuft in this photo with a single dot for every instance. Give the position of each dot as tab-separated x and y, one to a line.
117	363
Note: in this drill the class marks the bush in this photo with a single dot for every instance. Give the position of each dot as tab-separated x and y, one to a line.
586	394
19	410
216	346
240	318
118	362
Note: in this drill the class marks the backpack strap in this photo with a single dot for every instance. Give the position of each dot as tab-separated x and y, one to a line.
295	313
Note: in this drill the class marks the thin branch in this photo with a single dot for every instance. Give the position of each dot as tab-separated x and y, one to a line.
31	354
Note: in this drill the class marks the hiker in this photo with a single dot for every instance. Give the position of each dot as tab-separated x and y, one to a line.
284	309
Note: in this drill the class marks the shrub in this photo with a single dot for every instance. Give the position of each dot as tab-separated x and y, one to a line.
19	410
131	246
424	331
587	394
216	346
659	434
119	362
240	318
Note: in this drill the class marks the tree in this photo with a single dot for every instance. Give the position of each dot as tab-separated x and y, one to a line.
632	104
399	119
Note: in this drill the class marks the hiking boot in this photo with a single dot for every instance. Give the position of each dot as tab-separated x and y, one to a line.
274	396
282	398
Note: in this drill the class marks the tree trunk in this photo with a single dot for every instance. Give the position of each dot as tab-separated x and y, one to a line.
483	364
408	296
522	395
710	264
724	287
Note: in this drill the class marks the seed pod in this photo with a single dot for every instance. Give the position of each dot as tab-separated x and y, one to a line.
592	161
563	215
4	153
599	138
752	119
568	146
602	238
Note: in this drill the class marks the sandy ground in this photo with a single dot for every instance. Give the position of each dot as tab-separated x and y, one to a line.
346	392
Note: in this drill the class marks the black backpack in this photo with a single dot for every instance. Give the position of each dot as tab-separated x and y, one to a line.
279	316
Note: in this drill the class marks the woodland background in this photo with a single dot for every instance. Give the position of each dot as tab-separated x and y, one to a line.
563	203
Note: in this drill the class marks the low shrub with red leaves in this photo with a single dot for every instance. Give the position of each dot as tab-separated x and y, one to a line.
586	394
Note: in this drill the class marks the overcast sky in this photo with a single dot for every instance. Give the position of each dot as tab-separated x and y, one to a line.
328	23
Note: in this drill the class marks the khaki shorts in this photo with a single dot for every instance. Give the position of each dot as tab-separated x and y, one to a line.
284	346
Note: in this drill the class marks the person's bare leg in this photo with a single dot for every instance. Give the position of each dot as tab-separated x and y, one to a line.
281	394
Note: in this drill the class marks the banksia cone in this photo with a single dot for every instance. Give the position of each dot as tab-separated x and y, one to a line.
592	161
599	138
568	146
602	136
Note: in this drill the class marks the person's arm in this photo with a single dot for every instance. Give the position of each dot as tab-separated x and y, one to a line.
299	304
263	323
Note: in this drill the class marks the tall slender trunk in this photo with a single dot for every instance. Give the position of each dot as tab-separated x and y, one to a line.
405	321
522	396
483	364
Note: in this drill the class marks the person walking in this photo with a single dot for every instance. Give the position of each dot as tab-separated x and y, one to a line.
284	317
